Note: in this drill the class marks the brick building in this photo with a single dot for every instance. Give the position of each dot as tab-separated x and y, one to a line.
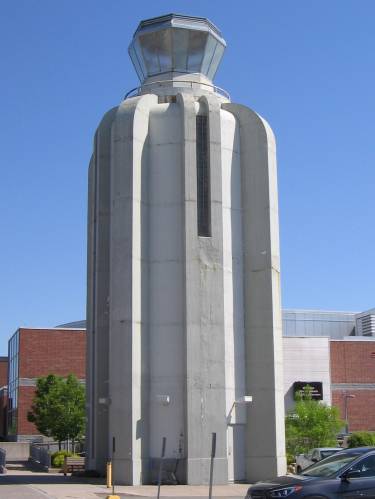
3	371
344	371
3	394
345	367
353	381
33	353
317	348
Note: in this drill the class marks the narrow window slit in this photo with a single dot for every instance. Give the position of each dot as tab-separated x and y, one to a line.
203	177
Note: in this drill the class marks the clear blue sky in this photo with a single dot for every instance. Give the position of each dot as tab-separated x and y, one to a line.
307	67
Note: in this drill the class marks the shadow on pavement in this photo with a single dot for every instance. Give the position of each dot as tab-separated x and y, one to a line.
24	474
31	479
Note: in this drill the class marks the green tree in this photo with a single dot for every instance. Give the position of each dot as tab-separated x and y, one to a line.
311	424
58	408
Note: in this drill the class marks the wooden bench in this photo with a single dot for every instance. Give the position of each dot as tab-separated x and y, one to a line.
73	463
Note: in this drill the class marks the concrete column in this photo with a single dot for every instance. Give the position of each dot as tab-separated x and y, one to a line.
90	447
265	453
128	373
204	317
97	295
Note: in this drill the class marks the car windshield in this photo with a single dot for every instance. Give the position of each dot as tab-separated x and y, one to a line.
331	465
327	453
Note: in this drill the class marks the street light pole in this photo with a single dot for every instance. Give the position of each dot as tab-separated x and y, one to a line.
346	397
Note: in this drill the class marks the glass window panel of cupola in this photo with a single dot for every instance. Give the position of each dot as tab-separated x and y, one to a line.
164	50
137	61
215	61
197	45
209	53
149	43
180	42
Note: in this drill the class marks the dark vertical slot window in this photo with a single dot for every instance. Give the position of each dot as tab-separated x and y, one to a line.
203	178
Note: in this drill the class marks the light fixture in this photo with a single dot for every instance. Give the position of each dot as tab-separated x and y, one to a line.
244	400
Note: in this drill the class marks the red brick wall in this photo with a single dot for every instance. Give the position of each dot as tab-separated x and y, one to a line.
25	398
354	362
43	352
3	372
57	351
361	409
351	362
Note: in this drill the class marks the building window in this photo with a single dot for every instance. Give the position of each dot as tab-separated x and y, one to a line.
203	177
13	356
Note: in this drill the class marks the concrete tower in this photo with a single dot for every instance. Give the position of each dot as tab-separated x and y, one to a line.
183	315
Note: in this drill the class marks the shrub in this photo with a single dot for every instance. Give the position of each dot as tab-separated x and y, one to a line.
310	424
57	458
361	439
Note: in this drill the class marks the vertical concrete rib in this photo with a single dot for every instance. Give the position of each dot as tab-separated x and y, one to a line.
98	293
128	305
265	426
90	361
204	317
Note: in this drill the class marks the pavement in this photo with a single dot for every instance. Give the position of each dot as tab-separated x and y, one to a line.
26	484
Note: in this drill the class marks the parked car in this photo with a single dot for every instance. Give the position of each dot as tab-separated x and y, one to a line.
315	455
347	474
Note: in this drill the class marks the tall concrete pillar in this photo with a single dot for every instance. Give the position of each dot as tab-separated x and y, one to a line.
183	306
204	301
265	453
97	326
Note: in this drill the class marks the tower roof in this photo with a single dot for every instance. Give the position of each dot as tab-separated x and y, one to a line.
178	44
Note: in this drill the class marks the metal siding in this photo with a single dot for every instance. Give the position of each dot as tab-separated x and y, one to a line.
336	325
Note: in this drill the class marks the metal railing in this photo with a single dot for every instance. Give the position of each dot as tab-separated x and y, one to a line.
40	455
187	84
53	446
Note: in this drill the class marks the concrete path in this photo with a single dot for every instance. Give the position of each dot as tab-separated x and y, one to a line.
33	485
19	492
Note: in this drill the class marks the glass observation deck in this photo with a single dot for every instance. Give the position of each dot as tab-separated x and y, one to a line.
176	44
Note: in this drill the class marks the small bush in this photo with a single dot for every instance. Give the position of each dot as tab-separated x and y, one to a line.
361	439
57	458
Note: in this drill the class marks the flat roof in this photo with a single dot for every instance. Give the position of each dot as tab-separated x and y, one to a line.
317	311
52	328
355	338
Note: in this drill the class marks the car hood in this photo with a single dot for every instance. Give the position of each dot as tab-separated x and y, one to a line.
281	481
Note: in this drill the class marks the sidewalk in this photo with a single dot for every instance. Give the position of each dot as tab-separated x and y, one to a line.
89	491
234	490
56	486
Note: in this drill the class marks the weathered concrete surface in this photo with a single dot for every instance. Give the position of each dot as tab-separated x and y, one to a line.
97	295
174	309
204	307
265	449
128	304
